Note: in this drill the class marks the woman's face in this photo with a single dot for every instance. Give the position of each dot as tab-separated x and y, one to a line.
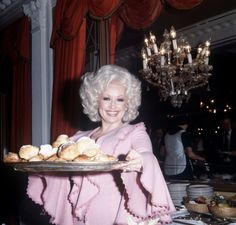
112	104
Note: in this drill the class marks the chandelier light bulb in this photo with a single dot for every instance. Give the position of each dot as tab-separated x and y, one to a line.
152	38
188	48
207	43
144	56
146	41
207	53
172	33
199	49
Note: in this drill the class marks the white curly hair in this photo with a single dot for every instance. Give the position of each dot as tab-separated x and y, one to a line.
93	85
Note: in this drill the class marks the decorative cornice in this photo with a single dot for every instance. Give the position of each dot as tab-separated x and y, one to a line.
36	10
10	11
220	30
31	9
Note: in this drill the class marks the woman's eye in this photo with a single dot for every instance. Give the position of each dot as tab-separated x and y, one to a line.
105	99
120	100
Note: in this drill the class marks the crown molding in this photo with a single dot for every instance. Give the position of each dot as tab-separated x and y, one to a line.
220	30
10	11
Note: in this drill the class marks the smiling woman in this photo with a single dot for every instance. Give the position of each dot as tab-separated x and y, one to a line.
111	96
112	106
94	86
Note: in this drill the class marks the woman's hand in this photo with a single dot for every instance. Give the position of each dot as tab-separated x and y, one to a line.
135	161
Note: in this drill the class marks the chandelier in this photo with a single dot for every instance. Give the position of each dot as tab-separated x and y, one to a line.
171	66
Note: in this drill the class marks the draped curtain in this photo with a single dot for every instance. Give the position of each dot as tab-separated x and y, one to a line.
15	47
69	42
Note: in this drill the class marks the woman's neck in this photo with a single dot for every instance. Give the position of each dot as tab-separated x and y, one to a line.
105	129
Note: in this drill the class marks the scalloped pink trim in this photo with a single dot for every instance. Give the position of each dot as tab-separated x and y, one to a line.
162	211
87	204
42	204
158	212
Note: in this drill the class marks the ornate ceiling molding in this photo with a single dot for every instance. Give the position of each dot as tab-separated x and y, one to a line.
10	11
31	10
220	30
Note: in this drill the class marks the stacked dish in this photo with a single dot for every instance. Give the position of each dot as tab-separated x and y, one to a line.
196	190
177	192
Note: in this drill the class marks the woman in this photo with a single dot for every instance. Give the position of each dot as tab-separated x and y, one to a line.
136	194
177	164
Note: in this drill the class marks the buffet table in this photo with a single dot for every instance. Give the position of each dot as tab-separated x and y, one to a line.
199	218
223	187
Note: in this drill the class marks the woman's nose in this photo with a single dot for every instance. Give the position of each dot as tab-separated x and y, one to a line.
113	104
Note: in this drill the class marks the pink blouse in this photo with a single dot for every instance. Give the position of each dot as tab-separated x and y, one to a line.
107	198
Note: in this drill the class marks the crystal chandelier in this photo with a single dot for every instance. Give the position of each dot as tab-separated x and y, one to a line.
171	67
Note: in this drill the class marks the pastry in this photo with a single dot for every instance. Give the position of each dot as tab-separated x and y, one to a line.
105	158
60	160
47	151
92	150
11	157
36	158
83	158
87	146
28	151
52	158
61	139
68	152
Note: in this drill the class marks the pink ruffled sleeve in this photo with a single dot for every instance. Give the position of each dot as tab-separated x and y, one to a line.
52	192
147	191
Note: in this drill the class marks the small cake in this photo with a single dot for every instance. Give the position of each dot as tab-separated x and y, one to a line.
105	158
83	158
28	151
61	139
68	152
36	158
47	151
52	158
87	146
11	157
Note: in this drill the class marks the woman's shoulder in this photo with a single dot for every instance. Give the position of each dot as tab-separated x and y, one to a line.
135	126
127	128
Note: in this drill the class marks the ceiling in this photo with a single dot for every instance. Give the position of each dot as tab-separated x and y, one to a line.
179	19
10	10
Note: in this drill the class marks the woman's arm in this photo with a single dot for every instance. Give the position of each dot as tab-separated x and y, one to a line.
147	187
190	153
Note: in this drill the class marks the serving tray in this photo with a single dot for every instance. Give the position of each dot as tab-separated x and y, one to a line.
44	166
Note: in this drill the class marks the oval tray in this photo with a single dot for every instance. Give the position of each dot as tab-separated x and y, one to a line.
42	166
